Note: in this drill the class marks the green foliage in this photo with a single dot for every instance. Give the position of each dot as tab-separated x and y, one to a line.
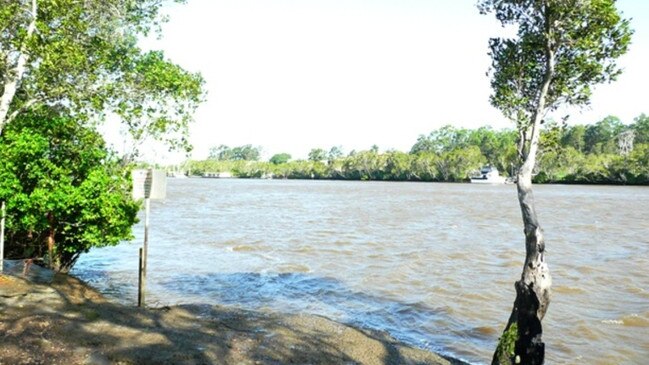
498	147
334	153
364	165
563	158
636	167
280	158
424	166
444	139
60	181
589	154
317	154
250	170
458	164
398	166
83	56
572	44
156	99
601	136
575	137
641	129
240	153
505	353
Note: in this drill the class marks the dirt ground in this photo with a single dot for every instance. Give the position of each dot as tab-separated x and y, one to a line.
63	321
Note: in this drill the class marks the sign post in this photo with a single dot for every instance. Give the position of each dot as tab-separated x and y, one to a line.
148	184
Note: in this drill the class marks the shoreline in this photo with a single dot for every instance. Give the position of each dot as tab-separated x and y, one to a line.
468	181
59	319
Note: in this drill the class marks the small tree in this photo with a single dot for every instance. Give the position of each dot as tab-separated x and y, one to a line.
241	153
641	128
221	153
562	48
65	192
280	158
317	154
335	153
246	153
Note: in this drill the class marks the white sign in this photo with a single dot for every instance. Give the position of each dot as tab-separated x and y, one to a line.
149	184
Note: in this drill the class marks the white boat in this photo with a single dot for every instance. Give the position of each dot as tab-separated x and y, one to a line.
488	175
176	174
216	175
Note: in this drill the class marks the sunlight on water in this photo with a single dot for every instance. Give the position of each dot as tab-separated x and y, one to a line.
432	264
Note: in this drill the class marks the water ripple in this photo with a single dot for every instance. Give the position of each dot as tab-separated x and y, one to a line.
432	264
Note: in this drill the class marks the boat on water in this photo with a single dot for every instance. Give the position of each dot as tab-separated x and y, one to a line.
176	174
488	175
216	175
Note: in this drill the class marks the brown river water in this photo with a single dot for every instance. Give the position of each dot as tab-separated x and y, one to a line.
432	264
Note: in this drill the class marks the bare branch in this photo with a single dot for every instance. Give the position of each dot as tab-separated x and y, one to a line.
28	104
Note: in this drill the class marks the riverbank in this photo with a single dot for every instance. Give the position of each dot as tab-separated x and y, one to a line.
57	319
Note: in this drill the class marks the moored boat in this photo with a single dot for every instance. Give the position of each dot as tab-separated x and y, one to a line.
488	175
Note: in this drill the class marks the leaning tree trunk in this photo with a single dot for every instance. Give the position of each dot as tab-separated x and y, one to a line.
521	342
53	255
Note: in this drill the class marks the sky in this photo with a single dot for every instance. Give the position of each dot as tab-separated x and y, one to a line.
292	75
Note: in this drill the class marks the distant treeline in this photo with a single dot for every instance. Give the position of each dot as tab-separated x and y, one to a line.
607	152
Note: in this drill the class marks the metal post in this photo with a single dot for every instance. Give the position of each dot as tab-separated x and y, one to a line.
140	283
147	211
2	238
143	255
145	248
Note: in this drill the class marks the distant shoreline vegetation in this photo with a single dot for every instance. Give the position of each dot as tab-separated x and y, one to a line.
607	152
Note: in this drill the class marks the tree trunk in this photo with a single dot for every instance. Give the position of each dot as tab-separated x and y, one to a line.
521	342
51	243
50	248
13	76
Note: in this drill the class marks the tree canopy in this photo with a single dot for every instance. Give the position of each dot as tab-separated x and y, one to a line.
317	154
280	158
240	153
83	55
562	48
65	191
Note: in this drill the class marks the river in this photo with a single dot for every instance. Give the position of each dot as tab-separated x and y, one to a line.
433	264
